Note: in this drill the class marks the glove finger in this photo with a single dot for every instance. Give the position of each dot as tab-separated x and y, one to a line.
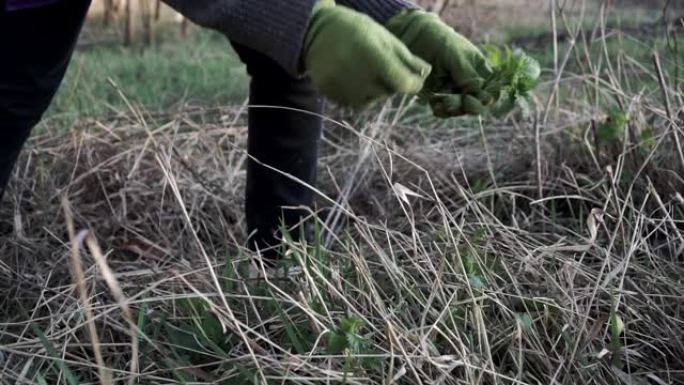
477	59
470	65
414	63
472	106
496	95
473	86
482	66
485	97
464	61
335	89
462	72
395	76
446	106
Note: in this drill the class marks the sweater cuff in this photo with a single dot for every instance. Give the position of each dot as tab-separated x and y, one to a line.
380	10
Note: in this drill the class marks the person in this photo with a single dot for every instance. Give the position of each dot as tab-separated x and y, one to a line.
353	52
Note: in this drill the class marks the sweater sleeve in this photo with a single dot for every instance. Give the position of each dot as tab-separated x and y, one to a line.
276	28
380	10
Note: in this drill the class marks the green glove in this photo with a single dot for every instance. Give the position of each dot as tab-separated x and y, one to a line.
459	69
354	61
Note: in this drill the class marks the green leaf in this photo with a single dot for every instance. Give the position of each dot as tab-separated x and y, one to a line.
351	325
530	73
337	342
469	264
229	274
40	379
212	328
244	376
297	340
346	337
191	307
525	322
141	320
71	378
515	75
476	282
494	55
355	343
180	374
524	105
183	341
611	130
647	139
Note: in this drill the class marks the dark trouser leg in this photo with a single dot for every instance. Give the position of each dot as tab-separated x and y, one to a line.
284	139
35	48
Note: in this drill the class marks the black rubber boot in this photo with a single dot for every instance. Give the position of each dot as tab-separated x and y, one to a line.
284	133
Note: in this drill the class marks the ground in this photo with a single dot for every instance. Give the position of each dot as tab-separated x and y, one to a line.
544	248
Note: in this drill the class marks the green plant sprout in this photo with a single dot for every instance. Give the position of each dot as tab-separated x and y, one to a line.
515	75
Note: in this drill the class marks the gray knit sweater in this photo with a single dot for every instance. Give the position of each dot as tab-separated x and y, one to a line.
275	28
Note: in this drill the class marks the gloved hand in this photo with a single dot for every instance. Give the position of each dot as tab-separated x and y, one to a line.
353	60
459	69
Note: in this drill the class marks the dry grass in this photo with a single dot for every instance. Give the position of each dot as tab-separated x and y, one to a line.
514	251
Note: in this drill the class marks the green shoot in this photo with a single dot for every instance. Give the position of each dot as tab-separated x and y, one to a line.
514	77
616	329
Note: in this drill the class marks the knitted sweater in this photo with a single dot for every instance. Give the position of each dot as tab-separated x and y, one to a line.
15	5
275	28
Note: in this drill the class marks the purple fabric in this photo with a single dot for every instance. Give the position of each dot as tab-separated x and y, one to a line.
15	5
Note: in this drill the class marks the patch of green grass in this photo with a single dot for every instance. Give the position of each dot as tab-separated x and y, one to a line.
201	69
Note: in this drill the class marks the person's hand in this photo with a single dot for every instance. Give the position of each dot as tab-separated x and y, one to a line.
354	61
459	69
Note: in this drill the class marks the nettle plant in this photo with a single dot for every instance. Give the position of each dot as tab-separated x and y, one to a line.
515	75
